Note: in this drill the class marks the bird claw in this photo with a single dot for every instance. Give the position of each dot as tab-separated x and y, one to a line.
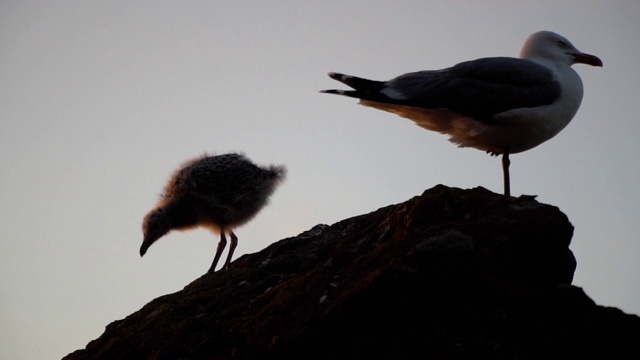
526	197
521	198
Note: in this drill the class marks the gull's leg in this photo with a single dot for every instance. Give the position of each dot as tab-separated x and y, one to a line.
221	245
232	247
505	173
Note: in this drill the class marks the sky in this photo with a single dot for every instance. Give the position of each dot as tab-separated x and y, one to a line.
101	100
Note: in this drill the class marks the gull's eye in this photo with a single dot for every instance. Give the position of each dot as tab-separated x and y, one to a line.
562	44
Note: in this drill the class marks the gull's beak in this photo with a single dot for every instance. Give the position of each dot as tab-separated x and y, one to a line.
582	58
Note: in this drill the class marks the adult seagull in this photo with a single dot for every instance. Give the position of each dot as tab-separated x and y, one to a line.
501	105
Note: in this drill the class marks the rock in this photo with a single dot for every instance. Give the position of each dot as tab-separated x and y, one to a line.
450	274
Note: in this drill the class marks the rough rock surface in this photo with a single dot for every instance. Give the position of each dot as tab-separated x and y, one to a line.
450	274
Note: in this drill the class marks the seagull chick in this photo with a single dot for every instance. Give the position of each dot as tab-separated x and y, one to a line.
500	105
216	192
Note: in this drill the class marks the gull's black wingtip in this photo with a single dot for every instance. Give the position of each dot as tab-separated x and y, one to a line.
336	76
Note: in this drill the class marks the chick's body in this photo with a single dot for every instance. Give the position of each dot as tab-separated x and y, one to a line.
217	192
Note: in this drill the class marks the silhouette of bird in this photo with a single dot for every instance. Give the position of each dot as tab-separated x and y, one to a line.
500	105
216	192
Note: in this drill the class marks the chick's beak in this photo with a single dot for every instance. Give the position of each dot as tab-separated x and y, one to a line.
143	248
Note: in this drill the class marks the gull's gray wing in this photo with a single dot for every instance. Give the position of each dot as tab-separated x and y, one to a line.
478	88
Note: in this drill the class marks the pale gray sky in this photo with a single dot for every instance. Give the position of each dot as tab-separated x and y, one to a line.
101	100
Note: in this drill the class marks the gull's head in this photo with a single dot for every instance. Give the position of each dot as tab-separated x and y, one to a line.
549	46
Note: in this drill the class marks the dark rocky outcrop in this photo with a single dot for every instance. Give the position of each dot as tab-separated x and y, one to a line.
451	274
